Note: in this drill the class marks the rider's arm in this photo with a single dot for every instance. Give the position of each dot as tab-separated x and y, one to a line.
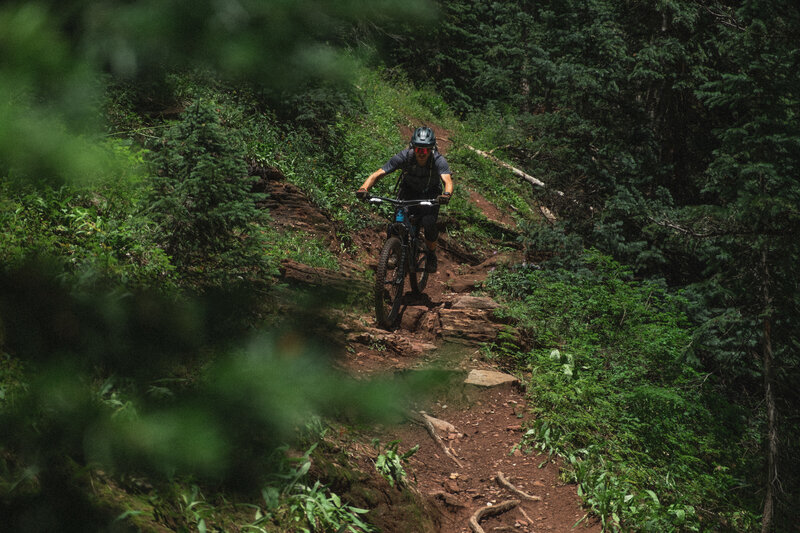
448	183
373	178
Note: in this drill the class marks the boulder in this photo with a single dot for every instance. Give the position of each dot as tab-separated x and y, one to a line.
412	316
468	326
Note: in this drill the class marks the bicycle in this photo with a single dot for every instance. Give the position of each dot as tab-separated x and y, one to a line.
402	253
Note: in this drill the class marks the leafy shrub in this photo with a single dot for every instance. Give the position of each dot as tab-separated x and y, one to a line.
96	234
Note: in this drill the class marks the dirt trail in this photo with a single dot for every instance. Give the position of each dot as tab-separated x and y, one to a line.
487	421
444	329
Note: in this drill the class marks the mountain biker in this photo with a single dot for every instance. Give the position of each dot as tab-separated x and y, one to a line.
424	170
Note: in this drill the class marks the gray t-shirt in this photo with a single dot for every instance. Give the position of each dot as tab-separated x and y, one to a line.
421	180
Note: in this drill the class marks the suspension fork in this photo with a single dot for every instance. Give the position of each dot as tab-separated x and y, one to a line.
401	231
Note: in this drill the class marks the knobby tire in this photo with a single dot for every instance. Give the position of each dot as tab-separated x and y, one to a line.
389	283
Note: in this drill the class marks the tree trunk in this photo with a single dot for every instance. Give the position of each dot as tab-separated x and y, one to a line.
769	397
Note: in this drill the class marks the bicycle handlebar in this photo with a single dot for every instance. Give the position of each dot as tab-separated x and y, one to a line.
404	203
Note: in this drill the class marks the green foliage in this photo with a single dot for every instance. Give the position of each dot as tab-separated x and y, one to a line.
301	247
95	233
288	501
390	463
203	200
307	508
215	421
615	394
46	102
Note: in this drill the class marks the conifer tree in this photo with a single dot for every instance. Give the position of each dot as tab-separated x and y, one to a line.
203	197
753	255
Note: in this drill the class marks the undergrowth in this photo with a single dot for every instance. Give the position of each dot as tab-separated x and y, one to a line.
649	442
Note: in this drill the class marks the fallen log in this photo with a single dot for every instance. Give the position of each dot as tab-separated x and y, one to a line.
517	172
343	280
474	521
524	175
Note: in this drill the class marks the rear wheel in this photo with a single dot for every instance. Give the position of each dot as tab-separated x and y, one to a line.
389	283
418	275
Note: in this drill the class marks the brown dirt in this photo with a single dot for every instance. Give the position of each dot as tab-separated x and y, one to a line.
491	211
489	422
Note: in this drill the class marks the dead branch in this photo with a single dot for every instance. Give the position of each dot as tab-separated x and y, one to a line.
506	484
499	148
548	215
474	521
724	18
528	518
438	440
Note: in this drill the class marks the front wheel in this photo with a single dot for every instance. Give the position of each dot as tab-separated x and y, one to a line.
389	283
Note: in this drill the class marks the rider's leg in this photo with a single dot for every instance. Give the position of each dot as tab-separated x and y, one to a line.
431	239
431	230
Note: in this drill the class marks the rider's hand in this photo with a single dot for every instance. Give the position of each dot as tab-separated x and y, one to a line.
362	194
444	198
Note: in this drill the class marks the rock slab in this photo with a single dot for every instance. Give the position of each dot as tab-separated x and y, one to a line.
468	326
489	378
474	302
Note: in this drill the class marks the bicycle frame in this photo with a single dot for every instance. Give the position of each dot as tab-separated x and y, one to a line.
403	227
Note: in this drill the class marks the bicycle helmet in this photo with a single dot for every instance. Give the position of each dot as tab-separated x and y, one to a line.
423	137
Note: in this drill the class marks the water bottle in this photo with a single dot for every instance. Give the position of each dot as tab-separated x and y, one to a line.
400	216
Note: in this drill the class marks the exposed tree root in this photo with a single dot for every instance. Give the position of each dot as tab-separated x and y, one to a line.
449	499
439	441
422	418
500	508
504	483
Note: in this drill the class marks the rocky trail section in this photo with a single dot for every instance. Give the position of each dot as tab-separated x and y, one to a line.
469	471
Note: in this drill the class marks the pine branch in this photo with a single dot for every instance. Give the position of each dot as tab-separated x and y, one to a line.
725	18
